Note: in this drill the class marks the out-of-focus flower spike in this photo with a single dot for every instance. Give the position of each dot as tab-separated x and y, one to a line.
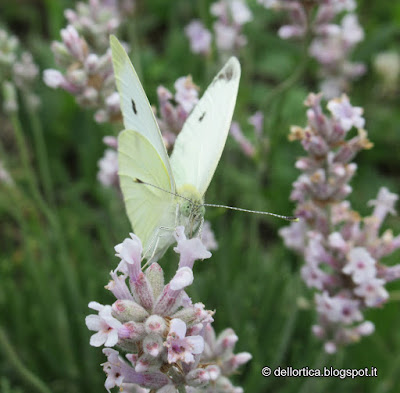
342	250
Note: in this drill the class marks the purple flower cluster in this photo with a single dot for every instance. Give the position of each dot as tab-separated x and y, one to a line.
231	16
108	164
332	43
17	71
85	58
174	109
342	250
154	336
248	148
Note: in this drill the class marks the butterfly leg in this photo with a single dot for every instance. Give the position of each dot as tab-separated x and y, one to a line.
154	243
200	229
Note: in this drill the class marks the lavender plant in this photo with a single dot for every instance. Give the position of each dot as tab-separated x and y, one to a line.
342	250
248	148
231	16
331	43
85	59
154	336
17	72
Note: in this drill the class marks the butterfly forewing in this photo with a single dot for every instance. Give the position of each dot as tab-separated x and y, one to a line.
135	106
199	145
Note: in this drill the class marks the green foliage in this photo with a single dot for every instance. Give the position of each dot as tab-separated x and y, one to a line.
57	250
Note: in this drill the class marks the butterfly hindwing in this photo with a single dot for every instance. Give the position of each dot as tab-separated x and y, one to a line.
135	106
148	208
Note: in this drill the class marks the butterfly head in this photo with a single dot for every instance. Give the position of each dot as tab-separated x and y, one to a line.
191	206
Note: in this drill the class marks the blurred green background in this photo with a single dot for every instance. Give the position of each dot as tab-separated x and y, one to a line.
55	257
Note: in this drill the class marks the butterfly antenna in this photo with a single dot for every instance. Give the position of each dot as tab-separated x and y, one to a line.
287	218
136	180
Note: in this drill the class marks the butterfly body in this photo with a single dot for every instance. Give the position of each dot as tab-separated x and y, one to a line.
161	192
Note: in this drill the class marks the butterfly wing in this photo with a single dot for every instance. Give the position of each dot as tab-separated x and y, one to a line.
199	145
135	106
148	208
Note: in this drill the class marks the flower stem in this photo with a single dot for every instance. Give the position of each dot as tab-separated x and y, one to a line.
181	389
31	379
41	153
135	53
46	211
23	152
287	83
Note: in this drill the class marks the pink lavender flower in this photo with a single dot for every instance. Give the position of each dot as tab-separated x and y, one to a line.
245	145
383	204
108	164
97	19
105	325
257	121
249	148
17	71
347	115
332	43
189	249
342	250
172	115
85	58
360	266
187	94
181	348
208	237
218	353
88	76
108	169
231	17
159	328
199	37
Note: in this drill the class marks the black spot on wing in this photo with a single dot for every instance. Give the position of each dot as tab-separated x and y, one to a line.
229	73
134	106
202	116
226	75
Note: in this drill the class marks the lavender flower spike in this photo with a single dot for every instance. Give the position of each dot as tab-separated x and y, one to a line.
341	249
163	334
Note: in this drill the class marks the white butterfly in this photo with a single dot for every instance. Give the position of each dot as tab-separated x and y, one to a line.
145	170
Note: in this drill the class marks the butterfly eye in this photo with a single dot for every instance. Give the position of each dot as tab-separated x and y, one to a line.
186	208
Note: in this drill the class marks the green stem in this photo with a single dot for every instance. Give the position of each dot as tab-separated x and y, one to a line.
135	47
47	212
181	389
312	382
31	379
287	83
23	152
41	153
394	296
